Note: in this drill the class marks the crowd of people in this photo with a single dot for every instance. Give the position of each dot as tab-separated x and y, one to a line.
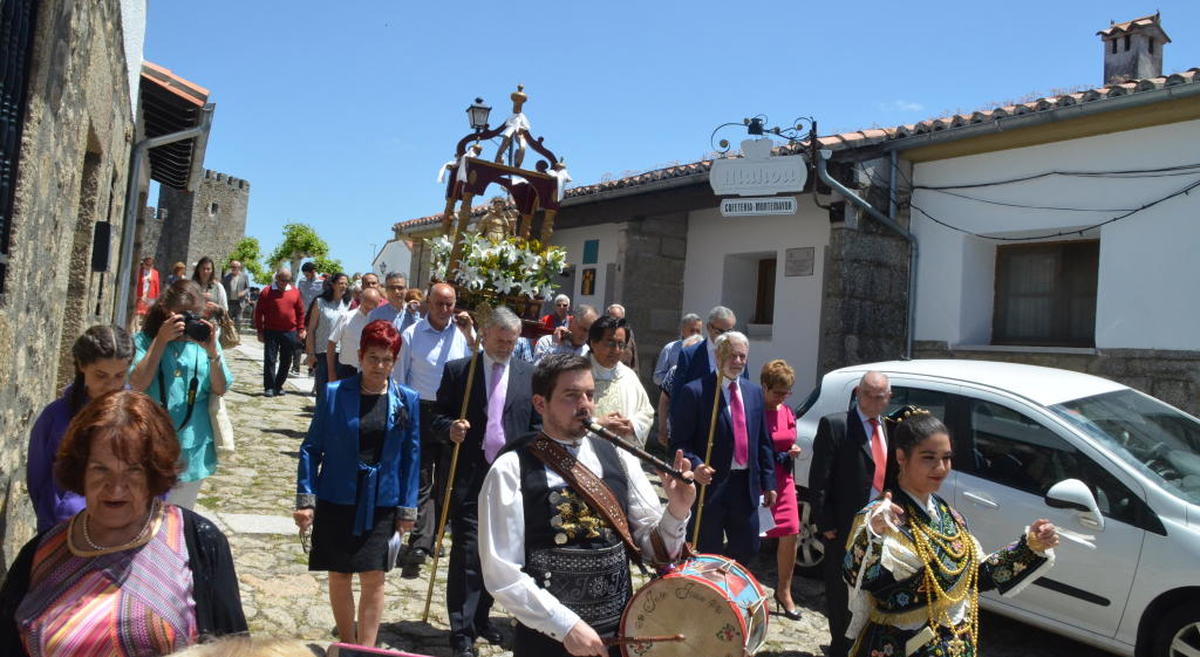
420	404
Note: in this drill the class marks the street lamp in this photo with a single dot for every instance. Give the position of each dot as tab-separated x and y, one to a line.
477	115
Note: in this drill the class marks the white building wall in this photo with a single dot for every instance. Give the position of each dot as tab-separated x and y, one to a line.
1147	274
394	256
133	29
715	274
572	239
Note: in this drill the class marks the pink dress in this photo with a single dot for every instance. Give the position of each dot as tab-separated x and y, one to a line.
782	426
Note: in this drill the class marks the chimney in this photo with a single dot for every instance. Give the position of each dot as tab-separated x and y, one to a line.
1134	49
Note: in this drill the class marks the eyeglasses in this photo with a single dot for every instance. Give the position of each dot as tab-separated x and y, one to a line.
719	331
306	540
398	288
613	344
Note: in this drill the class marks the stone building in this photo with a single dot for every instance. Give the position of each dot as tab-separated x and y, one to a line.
189	225
1050	272
72	75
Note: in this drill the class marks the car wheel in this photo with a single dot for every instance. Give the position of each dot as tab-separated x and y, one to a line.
810	547
1178	634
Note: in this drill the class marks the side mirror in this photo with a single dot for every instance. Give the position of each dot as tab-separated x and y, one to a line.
1074	494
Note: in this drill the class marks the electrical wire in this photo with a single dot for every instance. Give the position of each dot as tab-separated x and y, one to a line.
1063	233
1182	169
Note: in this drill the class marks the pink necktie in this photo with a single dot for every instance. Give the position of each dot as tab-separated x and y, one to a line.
493	437
878	454
741	442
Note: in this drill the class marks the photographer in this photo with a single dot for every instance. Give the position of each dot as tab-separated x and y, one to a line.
178	363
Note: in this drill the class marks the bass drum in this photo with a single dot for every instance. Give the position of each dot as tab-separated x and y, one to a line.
713	601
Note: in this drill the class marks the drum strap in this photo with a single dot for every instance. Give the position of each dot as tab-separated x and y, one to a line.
590	487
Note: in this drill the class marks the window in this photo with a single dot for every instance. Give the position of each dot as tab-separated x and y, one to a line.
212	209
1016	451
1127	43
764	304
933	401
1046	294
17	18
1114	46
1151	46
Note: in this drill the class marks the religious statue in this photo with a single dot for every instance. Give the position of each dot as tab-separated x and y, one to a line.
498	224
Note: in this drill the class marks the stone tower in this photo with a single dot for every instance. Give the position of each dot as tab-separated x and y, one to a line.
207	222
1134	49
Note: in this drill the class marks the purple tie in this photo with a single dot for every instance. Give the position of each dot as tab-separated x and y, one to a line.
493	437
741	442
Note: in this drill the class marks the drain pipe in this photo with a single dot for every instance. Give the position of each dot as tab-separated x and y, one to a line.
887	220
132	205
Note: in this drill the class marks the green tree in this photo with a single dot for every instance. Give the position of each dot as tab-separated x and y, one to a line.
327	265
249	253
300	241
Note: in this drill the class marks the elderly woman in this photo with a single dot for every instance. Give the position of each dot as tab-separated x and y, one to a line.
914	570
357	480
181	367
102	356
128	575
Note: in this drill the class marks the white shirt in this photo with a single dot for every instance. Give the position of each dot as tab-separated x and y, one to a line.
546	346
619	390
502	535
870	431
347	333
424	355
733	464
712	356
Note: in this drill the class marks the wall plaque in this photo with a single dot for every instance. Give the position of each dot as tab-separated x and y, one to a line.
799	261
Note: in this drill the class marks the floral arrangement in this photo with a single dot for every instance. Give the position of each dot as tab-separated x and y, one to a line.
510	267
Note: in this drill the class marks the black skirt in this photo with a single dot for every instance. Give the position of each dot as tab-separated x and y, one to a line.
335	548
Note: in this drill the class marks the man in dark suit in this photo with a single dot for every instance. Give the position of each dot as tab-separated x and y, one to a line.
701	359
849	461
742	464
500	409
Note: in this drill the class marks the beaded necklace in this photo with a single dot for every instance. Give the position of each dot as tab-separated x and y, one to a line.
959	546
116	548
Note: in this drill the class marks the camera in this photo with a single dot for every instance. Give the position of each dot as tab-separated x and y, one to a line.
194	328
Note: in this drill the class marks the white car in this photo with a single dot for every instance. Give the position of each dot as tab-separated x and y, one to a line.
1019	430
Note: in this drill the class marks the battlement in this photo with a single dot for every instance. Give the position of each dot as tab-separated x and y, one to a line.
211	176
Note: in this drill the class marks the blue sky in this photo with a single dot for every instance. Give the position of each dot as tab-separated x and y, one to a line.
341	113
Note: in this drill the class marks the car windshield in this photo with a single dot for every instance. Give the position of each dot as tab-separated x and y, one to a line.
1155	438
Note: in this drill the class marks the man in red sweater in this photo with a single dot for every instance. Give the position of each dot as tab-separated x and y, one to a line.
279	321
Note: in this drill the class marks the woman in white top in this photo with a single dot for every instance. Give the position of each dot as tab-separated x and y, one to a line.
205	275
323	314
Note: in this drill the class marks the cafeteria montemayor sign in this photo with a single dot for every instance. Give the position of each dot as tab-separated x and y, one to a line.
757	172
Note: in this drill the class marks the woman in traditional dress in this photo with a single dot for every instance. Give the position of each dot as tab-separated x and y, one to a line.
914	570
357	481
128	575
102	356
777	378
181	372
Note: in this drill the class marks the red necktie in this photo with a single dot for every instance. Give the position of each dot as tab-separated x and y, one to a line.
878	453
741	442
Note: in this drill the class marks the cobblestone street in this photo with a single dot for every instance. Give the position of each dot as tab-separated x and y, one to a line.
252	495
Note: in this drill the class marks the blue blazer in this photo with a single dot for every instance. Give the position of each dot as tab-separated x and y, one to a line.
689	432
329	467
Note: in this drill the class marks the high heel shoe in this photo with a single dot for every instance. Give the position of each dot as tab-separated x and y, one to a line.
791	614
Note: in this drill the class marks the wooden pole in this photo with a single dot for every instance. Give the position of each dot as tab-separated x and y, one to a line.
712	428
441	528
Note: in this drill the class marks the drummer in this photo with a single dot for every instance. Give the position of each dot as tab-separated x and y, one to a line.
539	534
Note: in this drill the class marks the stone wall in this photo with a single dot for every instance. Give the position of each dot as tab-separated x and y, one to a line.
864	308
649	283
206	222
74	160
1170	375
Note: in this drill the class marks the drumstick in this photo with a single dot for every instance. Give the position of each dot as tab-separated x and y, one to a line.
619	640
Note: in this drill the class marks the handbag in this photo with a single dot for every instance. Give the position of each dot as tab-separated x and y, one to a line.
222	426
228	334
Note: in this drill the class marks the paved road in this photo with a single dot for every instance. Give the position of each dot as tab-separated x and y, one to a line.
252	494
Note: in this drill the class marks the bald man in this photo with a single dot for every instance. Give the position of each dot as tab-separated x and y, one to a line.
849	462
427	346
279	322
